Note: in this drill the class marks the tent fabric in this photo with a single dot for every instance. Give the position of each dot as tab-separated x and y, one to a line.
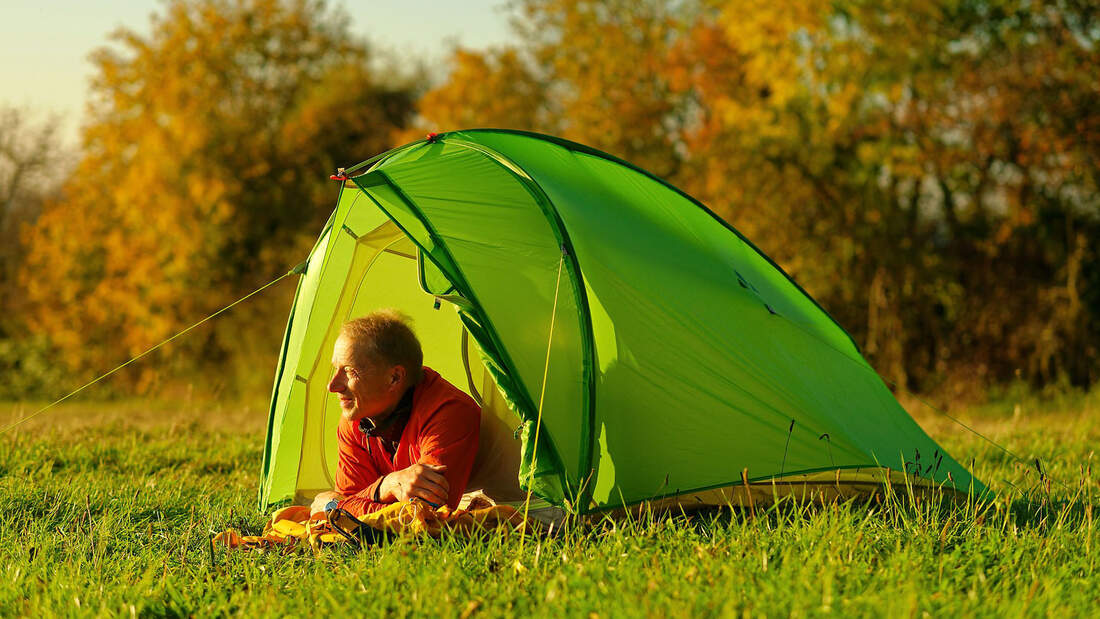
681	355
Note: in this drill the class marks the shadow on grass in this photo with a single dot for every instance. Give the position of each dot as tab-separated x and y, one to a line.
1032	510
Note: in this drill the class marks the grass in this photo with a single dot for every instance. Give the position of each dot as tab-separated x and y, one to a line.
108	509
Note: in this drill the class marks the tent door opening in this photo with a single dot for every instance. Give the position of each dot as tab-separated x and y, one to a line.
398	277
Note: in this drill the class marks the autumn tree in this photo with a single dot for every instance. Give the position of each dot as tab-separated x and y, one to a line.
32	164
491	87
205	173
590	72
926	169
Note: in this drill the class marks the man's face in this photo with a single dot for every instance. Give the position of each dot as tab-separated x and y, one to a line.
365	390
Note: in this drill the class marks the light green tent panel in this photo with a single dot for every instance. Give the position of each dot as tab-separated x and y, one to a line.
681	355
349	275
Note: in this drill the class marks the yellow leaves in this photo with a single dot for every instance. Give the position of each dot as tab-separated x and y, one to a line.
842	104
595	72
826	131
492	89
186	196
774	38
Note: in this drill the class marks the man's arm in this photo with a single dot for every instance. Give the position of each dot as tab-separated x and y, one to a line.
449	444
361	488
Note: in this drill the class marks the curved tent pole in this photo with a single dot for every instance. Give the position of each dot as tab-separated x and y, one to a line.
581	148
586	481
464	288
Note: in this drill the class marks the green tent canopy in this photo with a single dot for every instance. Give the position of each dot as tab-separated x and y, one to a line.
683	364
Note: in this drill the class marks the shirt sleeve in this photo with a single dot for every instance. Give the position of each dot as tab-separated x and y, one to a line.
357	475
450	438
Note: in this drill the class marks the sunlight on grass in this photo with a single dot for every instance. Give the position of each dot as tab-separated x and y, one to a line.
109	509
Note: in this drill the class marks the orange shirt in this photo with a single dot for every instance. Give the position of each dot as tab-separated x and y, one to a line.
442	428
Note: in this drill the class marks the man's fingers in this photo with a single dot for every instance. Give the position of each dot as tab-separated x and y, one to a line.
432	487
433	472
427	482
437	478
429	495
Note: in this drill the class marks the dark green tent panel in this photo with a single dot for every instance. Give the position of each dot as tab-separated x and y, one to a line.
680	355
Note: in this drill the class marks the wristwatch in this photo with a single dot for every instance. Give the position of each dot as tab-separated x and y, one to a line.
331	505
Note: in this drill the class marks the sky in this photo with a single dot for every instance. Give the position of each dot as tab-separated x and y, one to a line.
44	44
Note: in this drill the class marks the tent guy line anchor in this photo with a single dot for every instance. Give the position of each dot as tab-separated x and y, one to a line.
297	270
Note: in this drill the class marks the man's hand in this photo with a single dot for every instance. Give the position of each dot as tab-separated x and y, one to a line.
317	508
423	481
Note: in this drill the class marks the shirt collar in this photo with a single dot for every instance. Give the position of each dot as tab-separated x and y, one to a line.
393	425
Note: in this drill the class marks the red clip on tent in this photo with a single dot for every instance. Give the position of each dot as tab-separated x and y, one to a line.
680	354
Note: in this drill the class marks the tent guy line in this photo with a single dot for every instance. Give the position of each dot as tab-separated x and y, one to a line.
295	271
542	394
299	269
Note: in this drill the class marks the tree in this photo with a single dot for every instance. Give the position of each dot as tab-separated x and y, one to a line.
591	72
205	174
32	164
942	171
926	170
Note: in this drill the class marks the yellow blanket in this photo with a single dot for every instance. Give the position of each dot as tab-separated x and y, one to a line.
292	526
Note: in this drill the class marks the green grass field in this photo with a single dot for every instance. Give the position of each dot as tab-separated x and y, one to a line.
108	509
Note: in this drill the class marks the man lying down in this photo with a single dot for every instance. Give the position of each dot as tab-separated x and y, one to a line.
405	432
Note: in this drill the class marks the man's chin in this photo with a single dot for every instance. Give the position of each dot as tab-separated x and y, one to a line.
351	414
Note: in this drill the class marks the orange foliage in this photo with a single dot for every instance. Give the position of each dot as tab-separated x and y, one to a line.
925	169
204	175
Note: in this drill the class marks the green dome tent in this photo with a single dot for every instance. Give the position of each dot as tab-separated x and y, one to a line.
683	365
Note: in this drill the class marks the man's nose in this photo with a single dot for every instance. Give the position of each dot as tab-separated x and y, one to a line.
334	385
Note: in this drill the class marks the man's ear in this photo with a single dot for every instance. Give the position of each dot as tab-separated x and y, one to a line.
397	376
